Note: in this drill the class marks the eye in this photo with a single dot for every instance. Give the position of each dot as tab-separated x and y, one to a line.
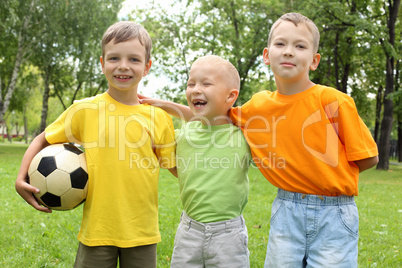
113	58
301	46
279	44
206	84
134	60
190	84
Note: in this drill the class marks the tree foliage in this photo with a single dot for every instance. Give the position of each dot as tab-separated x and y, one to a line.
355	45
60	38
360	48
236	30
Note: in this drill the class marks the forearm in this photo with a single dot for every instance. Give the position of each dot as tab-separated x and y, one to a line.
177	110
367	163
24	189
37	144
173	171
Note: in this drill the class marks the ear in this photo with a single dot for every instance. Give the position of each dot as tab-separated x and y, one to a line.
232	96
102	64
265	56
316	61
147	68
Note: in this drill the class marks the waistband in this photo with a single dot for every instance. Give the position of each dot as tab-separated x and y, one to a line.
213	227
320	199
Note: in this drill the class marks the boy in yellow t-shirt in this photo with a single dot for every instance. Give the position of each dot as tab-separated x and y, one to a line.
125	144
309	141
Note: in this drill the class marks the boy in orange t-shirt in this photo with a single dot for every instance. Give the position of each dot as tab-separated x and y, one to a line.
309	141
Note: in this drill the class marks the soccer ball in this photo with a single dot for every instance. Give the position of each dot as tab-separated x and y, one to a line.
60	172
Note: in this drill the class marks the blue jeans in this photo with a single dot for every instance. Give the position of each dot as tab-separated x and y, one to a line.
216	244
312	231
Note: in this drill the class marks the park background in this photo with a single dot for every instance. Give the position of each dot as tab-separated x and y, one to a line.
50	57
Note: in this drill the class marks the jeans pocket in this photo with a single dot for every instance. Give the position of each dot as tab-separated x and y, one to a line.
276	208
349	218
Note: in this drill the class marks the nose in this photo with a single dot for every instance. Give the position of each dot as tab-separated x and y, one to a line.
123	65
288	52
196	89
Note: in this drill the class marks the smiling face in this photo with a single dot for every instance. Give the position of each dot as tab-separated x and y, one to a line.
291	54
210	92
124	65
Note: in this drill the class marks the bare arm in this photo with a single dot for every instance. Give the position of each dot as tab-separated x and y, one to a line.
177	110
173	171
24	189
367	163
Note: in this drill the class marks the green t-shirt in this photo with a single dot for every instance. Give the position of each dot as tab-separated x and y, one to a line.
212	166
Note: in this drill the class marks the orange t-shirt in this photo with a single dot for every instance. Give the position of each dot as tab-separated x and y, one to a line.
306	142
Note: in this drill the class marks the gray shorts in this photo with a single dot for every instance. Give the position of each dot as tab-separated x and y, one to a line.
217	244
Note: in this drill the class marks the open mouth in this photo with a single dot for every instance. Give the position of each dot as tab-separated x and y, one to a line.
199	103
123	77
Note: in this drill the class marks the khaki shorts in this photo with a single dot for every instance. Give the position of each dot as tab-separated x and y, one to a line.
107	257
217	244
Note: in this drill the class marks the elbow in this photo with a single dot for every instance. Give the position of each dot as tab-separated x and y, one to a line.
375	161
367	163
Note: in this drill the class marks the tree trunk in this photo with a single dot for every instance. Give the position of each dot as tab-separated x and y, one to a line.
9	137
11	87
336	59
19	59
386	124
399	143
345	78
25	126
45	104
378	113
399	104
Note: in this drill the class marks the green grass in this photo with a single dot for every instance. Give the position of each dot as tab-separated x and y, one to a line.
29	238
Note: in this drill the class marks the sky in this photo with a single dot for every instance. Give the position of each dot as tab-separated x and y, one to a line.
154	83
129	5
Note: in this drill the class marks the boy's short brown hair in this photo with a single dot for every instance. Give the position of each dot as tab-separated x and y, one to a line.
297	18
126	30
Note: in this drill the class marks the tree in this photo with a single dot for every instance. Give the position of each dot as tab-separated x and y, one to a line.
61	38
357	37
18	19
390	53
69	45
237	30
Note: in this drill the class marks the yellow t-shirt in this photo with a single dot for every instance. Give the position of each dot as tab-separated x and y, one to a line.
124	146
306	142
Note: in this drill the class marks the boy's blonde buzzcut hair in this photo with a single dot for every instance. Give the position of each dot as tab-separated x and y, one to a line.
231	71
126	30
297	18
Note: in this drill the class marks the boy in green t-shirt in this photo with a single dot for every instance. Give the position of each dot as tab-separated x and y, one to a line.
212	159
